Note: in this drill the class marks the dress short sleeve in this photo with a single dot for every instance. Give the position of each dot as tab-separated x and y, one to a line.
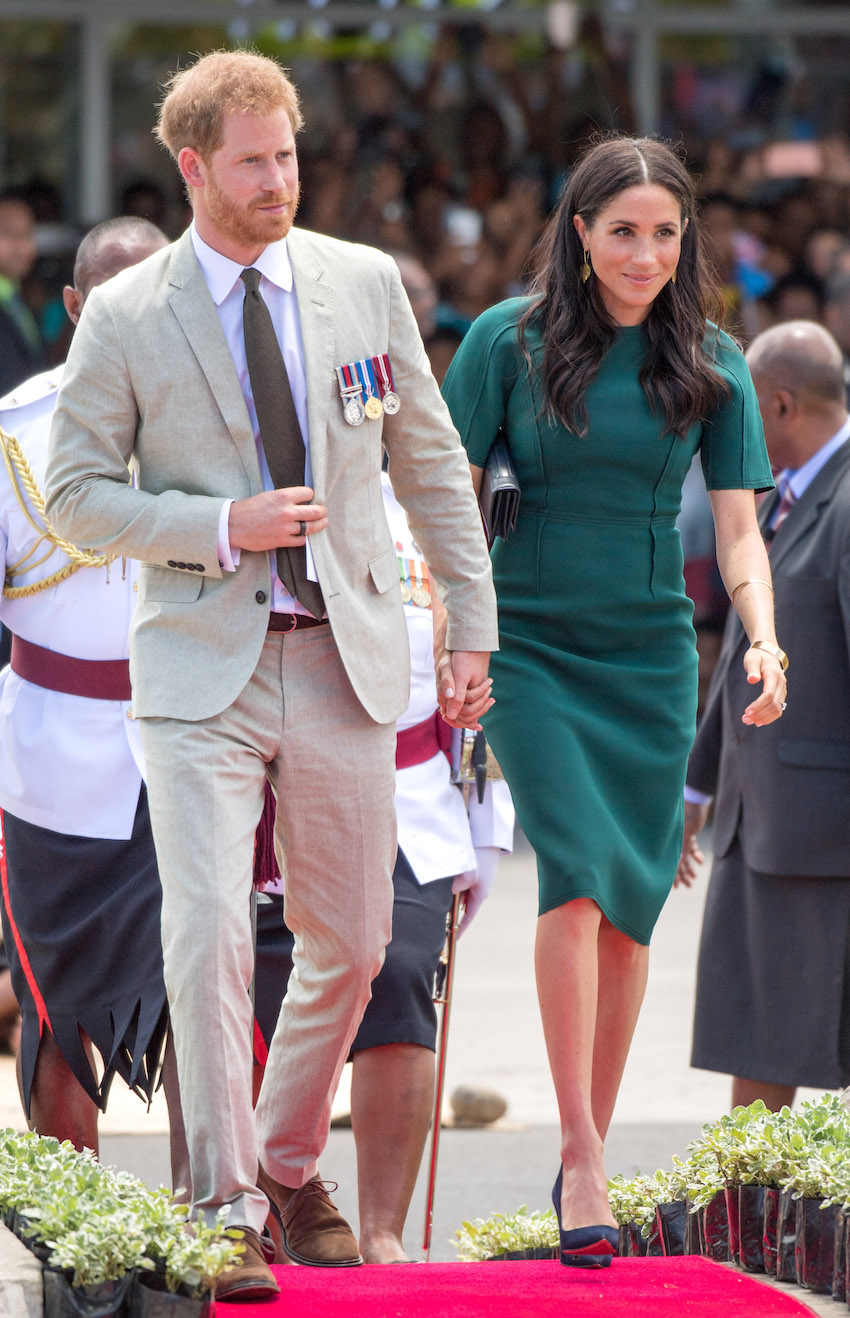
732	450
482	374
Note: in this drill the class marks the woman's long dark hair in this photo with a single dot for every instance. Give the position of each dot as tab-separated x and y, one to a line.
677	374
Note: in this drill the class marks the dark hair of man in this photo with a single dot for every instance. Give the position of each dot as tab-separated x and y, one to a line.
677	375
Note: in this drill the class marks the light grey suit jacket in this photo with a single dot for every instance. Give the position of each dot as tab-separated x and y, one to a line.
150	379
784	790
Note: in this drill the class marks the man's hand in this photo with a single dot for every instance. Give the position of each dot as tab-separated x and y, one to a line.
273	520
463	687
692	857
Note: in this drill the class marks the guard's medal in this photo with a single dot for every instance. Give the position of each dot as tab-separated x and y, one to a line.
421	595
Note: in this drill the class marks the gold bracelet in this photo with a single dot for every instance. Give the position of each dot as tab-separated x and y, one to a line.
750	581
775	650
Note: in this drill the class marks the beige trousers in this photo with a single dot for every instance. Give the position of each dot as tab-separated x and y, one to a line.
333	771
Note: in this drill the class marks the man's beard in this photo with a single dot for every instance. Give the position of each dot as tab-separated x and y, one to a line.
250	226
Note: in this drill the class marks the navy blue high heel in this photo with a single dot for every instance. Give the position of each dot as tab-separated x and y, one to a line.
584	1246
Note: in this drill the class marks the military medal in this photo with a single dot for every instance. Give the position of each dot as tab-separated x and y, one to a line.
420	592
350	390
383	370
353	410
373	405
405	584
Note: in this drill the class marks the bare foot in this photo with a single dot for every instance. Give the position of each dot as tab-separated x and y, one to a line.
382	1247
584	1196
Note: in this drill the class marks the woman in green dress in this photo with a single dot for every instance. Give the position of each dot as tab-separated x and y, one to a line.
605	381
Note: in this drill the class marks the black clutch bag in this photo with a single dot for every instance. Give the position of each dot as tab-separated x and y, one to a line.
499	497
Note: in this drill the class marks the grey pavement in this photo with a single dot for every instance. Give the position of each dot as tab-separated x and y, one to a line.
496	1042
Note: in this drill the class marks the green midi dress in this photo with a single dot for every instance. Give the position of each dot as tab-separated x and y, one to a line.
595	682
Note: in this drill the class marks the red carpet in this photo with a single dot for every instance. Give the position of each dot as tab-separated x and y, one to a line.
630	1288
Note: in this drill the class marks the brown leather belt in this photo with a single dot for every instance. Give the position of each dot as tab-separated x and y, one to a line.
290	622
96	679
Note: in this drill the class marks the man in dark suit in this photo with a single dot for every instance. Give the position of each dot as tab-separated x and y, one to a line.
773	985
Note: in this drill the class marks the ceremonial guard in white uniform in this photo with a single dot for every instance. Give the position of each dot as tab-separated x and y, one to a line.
445	845
80	890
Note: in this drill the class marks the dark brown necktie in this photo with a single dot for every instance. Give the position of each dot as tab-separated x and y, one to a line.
280	432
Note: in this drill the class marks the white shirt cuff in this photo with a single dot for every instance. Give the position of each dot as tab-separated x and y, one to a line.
228	558
697	798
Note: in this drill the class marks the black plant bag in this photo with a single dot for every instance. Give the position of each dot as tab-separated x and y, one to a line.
23	1228
654	1241
715	1229
751	1227
62	1300
509	1256
839	1258
693	1230
672	1222
150	1298
786	1237
731	1192
771	1219
631	1244
815	1252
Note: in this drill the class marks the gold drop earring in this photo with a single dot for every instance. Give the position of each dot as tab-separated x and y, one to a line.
673	276
585	269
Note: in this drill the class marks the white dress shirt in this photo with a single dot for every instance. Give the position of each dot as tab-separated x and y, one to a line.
223	278
67	763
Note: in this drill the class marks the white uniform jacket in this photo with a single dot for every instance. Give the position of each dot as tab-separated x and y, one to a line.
433	829
68	763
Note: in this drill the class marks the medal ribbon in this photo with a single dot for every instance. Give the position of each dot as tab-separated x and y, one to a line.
384	371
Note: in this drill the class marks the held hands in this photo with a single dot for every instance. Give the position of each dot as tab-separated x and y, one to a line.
761	666
463	687
276	519
692	857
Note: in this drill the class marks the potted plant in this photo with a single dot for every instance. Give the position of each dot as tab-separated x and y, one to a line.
519	1235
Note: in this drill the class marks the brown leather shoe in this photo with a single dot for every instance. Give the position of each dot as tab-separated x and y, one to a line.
251	1278
313	1232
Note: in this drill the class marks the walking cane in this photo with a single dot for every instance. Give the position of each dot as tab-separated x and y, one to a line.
442	997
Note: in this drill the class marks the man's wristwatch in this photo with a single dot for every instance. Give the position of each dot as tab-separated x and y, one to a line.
775	650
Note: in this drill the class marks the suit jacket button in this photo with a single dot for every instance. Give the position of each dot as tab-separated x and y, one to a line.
199	567
182	566
171	563
260	597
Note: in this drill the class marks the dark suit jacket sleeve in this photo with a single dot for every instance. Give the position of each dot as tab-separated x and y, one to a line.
704	760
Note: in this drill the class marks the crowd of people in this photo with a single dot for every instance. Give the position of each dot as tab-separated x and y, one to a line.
272	630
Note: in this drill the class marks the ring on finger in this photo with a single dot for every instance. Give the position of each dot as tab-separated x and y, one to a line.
783	704
303	526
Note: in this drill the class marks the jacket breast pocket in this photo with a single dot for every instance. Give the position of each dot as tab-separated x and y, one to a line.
165	585
384	571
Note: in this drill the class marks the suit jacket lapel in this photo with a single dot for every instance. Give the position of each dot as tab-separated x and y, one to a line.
808	508
316	314
195	310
